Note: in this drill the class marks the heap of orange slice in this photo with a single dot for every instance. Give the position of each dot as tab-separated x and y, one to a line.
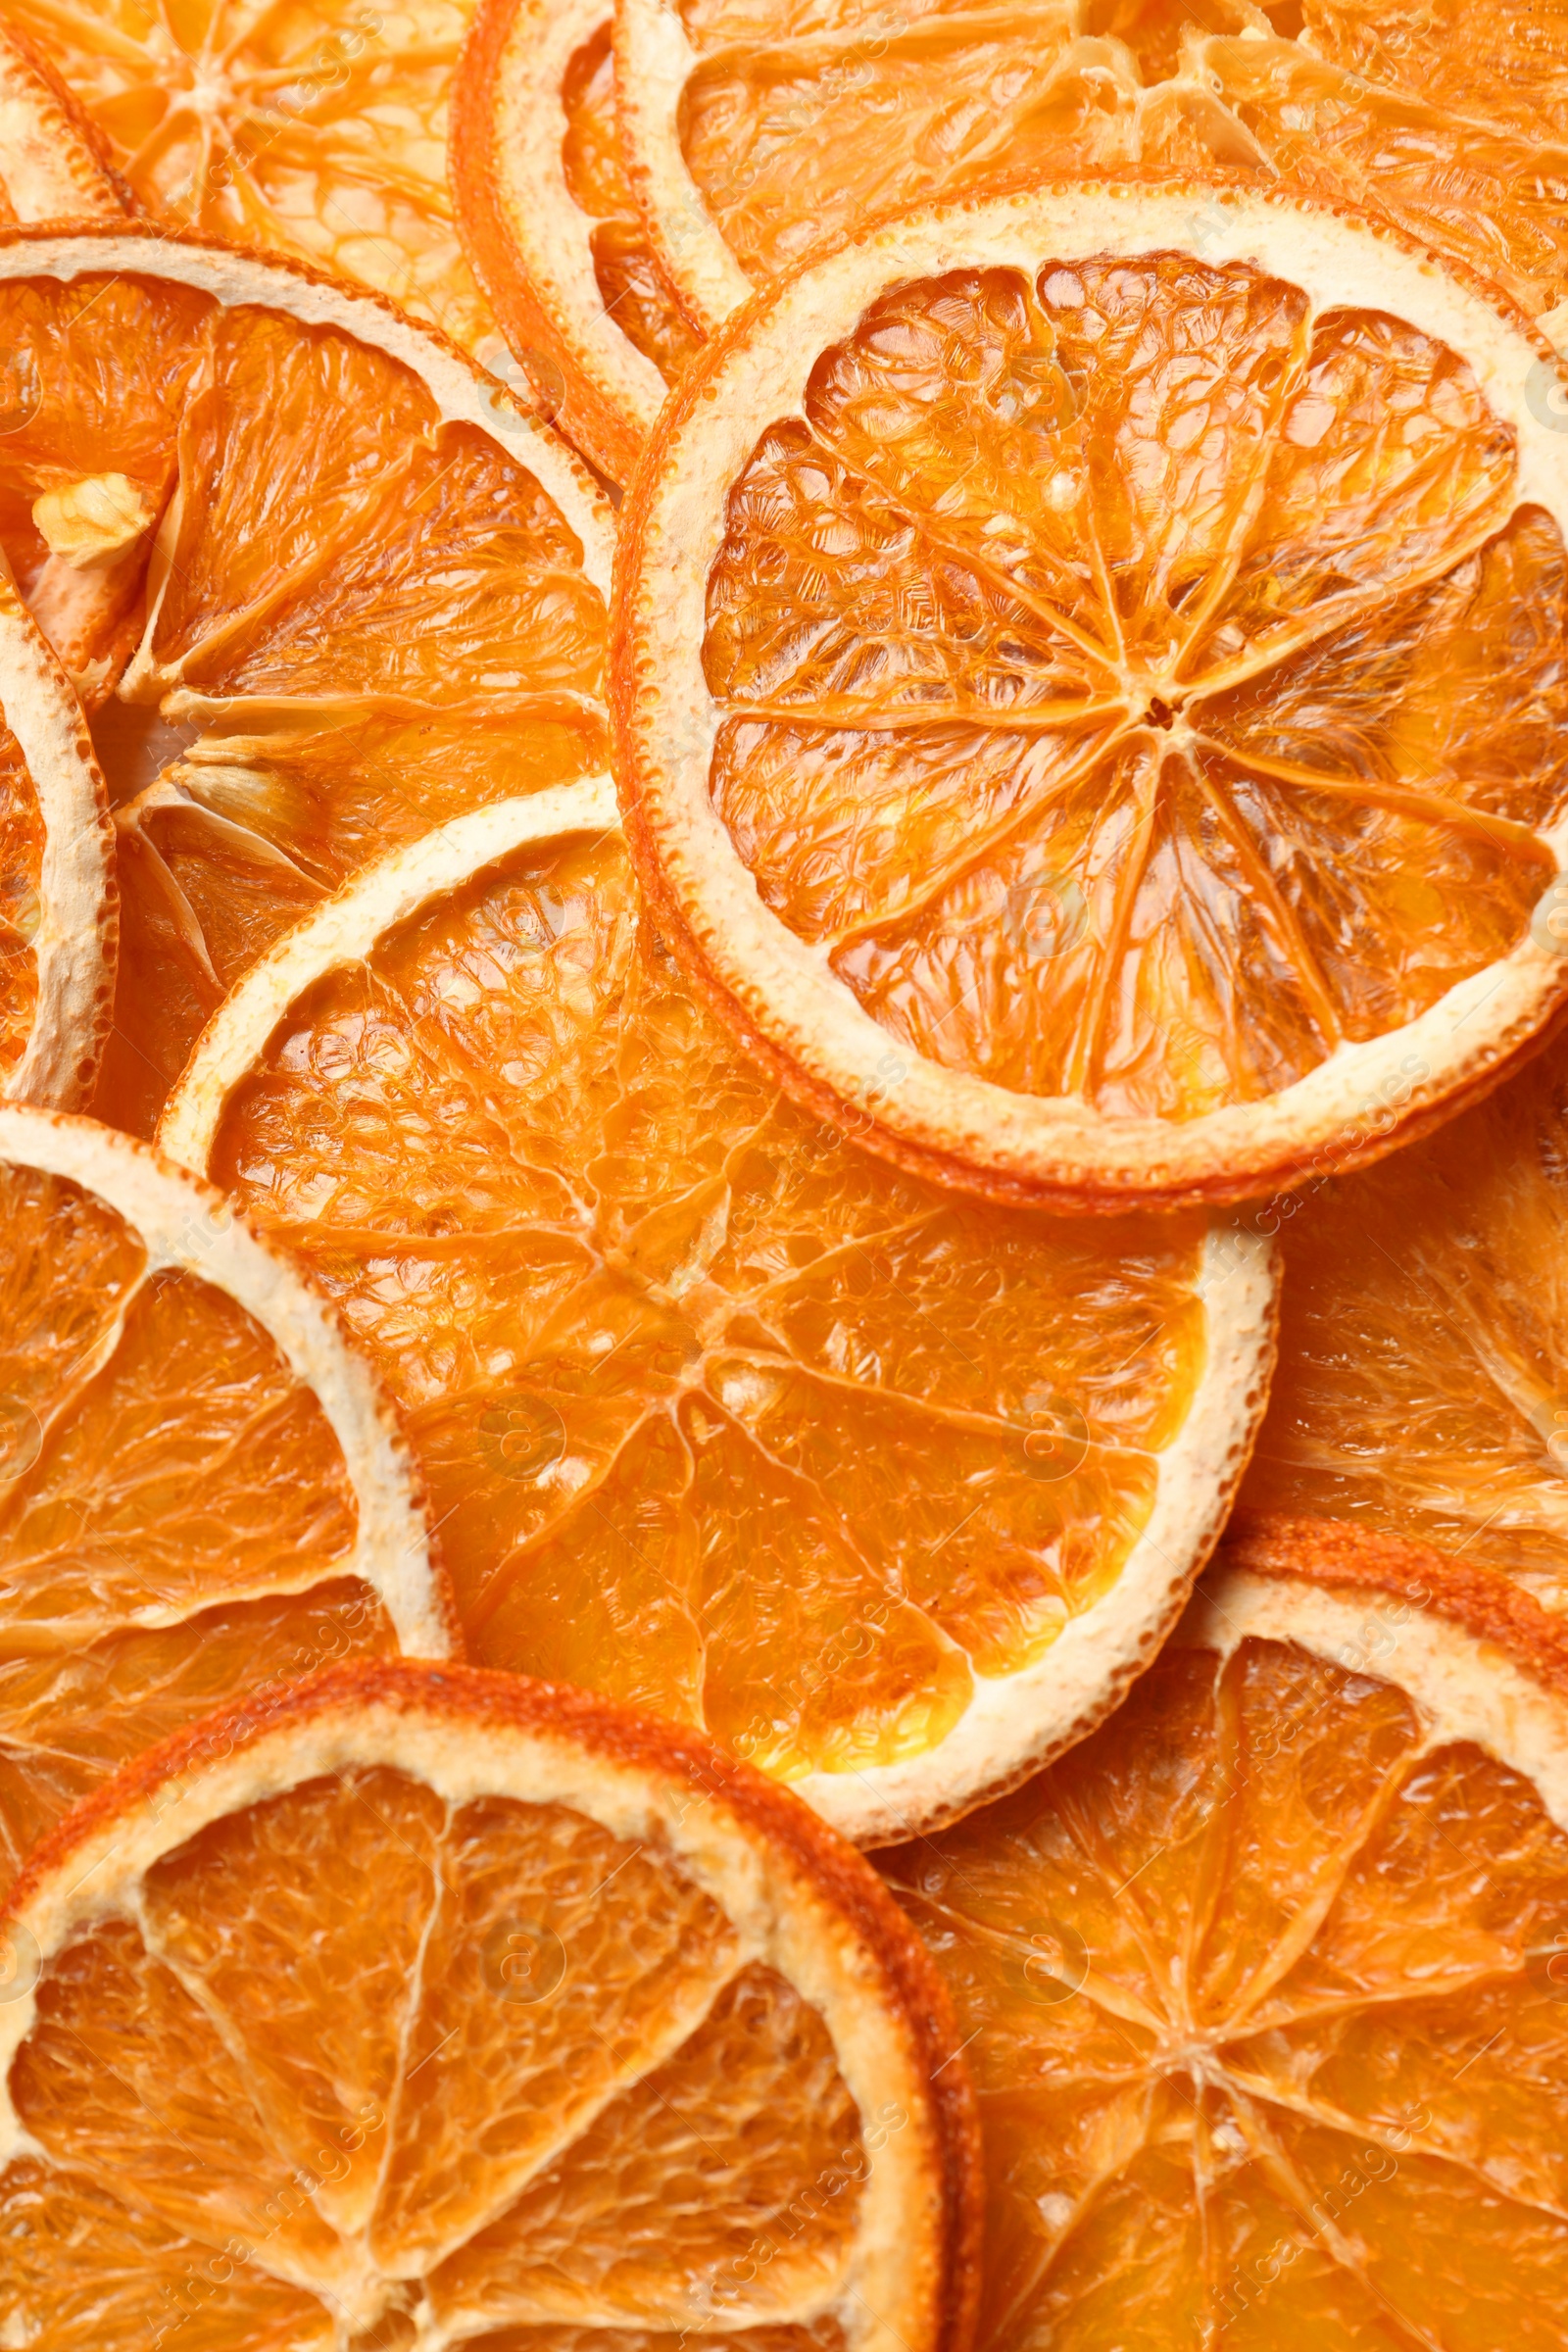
682	1038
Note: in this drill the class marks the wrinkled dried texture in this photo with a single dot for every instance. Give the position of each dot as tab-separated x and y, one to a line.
173	1507
1137	686
1494	196
1420	1387
800	141
1311	2087
303	2081
634	295
21	872
316	131
699	1388
1504	63
353	622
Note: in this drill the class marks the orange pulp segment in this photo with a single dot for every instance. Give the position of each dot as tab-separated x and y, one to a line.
179	1520
1268	1984
308	580
1504	64
885	1491
420	2006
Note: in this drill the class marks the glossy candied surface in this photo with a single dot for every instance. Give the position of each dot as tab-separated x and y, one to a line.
635	296
1134	686
175	1510
719	1416
1424	1329
318	131
321	620
22	840
367	2067
1267	2033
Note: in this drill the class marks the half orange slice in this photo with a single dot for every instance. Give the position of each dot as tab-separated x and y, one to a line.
59	920
310	569
890	1493
1267	1983
202	1489
1088	667
417	2006
550	226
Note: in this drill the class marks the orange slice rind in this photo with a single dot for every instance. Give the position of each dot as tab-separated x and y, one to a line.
550	226
652	1330
882	720
1268	1980
54	169
57	920
307	565
672	2007
202	1487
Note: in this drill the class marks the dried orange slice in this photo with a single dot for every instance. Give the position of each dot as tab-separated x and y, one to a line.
1494	196
1421	1387
52	165
312	572
889	1492
551	227
1494	60
1267	1983
58	921
412	2004
316	132
1089	675
755	129
202	1489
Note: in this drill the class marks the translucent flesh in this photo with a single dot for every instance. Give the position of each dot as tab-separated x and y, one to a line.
1492	194
21	837
432	2068
634	294
1266	2029
717	1415
1136	687
324	641
1425	1326
316	130
1506	64
175	1514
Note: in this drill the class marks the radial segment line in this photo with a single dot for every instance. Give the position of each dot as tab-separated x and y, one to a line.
969	560
1084	1057
977	846
1025	718
1310	972
1110	1998
1407	799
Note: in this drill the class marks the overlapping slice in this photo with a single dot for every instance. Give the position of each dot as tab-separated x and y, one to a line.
58	916
1505	63
1493	194
202	1489
888	1492
52	166
1420	1390
756	129
1268	1980
1089	683
413	2005
310	572
319	132
551	227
